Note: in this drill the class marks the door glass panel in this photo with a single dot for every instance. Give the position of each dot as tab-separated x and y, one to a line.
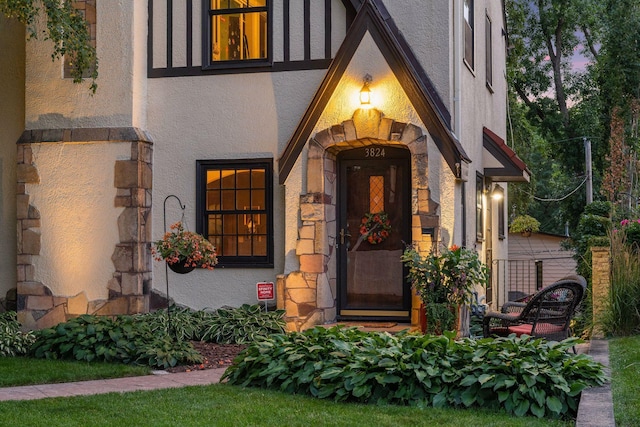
376	194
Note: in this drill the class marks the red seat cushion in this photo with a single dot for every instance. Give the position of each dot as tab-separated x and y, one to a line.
525	329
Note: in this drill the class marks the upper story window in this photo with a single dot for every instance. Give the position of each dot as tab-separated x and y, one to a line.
488	52
235	210
468	32
238	32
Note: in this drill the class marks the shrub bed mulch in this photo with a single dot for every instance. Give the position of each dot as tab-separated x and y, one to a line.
213	356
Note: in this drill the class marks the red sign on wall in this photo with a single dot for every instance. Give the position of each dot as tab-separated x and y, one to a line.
265	291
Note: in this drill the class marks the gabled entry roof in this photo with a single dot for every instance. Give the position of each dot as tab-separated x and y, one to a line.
509	166
374	18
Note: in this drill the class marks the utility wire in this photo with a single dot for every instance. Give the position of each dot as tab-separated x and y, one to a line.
563	197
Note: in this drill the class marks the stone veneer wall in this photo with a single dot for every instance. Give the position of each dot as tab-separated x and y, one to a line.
131	283
309	295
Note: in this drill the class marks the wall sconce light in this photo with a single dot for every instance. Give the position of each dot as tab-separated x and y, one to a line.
365	92
497	194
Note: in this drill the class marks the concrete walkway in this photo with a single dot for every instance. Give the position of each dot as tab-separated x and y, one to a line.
596	404
159	380
595	410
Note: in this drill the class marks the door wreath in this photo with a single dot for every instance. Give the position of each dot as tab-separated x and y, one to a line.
375	227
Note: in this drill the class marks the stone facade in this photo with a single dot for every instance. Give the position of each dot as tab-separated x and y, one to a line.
309	295
131	283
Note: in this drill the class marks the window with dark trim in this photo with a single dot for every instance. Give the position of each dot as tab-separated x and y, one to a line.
468	32
479	207
500	207
238	33
235	210
488	52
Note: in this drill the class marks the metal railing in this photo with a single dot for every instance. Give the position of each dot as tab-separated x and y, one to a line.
514	279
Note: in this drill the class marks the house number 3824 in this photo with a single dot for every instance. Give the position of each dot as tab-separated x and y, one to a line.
374	152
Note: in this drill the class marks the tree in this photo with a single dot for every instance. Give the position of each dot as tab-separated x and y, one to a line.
65	27
543	36
562	104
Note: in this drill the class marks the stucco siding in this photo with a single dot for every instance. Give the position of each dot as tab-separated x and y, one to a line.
79	228
12	44
55	102
220	117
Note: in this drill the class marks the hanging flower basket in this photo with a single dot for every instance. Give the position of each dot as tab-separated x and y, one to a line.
184	250
180	267
375	227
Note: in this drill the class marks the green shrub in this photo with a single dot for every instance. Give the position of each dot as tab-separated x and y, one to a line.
13	342
599	208
127	339
522	375
242	325
186	324
152	339
621	315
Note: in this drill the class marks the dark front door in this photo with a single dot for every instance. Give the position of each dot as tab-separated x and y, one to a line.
373	225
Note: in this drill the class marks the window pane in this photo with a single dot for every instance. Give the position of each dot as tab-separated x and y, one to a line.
261	223
229	224
244	245
215	224
216	241
228	178
229	246
213	179
239	36
243	200
243	178
213	200
257	179
259	245
228	200
258	199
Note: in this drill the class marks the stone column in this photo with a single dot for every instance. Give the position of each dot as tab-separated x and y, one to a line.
600	285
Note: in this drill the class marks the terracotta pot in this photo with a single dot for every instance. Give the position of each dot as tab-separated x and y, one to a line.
180	268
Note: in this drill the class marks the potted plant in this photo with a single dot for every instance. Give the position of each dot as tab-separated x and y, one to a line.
524	224
184	250
444	282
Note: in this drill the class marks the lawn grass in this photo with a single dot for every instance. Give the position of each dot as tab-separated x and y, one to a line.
17	371
225	405
624	359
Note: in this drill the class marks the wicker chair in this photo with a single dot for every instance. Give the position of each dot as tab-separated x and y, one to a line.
546	314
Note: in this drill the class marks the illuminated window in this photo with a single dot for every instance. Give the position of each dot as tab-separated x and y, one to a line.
238	31
479	207
235	210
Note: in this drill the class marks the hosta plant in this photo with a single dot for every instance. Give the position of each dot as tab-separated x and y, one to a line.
126	339
13	342
524	376
242	325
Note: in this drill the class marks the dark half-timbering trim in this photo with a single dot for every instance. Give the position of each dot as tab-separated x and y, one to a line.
245	66
374	18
